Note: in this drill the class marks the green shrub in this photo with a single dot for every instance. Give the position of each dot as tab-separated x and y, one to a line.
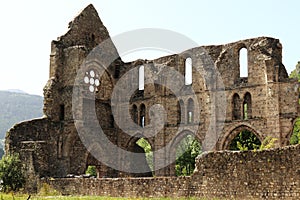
268	143
11	173
91	170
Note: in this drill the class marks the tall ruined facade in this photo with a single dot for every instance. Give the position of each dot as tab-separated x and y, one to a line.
265	102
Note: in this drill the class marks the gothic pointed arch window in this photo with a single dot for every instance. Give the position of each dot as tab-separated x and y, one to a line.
247	106
180	111
236	107
141	77
143	115
190	111
243	61
188	71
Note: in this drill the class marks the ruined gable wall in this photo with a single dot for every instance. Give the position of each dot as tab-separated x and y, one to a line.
68	53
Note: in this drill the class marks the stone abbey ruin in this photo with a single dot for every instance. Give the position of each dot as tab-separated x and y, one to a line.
265	103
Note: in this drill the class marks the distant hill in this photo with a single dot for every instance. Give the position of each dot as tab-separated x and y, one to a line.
1	148
16	91
18	106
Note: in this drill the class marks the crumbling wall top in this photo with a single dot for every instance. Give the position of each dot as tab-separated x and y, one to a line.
86	29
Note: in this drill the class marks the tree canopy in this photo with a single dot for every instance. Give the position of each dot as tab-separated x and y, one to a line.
11	173
245	141
187	151
295	138
296	72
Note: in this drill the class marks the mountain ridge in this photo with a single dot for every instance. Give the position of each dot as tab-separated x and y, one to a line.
17	106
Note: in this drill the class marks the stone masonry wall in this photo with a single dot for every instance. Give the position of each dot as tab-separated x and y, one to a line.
269	174
214	108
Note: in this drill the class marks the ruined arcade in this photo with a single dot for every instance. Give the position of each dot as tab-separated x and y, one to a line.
51	147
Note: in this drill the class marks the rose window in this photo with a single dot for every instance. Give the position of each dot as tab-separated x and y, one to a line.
92	79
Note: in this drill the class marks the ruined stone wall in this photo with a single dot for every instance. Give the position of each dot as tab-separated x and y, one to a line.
214	100
270	174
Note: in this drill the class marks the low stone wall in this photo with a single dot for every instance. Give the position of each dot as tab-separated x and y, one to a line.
123	187
270	174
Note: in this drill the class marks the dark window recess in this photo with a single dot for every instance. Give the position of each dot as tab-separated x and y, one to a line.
62	112
236	107
112	121
190	111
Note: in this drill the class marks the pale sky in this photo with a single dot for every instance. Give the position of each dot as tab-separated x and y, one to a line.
27	28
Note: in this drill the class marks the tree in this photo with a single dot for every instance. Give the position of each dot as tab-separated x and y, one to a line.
91	170
296	72
245	141
187	151
295	138
11	173
268	143
148	151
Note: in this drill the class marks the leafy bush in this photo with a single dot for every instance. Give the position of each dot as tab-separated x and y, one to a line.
91	170
268	143
245	141
187	151
11	173
295	138
148	151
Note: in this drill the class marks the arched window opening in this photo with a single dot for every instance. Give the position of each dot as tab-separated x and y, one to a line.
178	112
111	121
143	115
62	112
190	111
141	77
236	107
243	60
134	114
117	71
186	152
188	71
244	141
247	106
143	143
180	109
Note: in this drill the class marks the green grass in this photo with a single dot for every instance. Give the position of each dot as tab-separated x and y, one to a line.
35	197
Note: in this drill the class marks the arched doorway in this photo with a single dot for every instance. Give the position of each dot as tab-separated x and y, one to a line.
244	141
242	138
184	150
143	161
95	168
